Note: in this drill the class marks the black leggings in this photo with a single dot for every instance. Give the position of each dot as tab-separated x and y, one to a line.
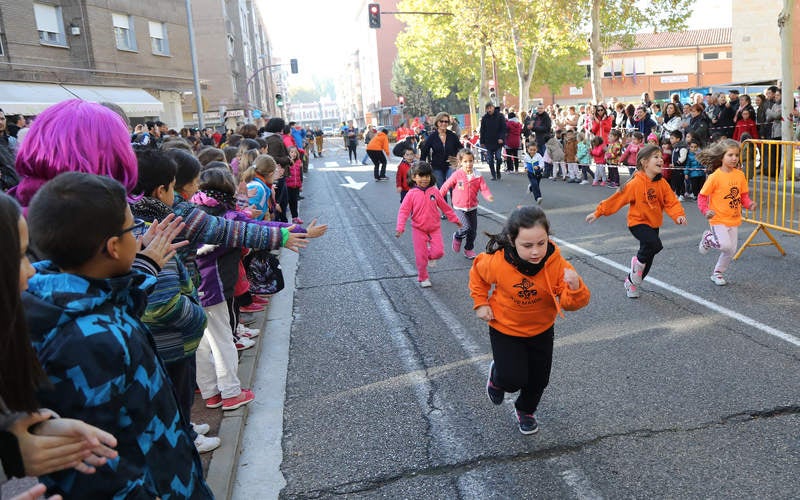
351	150
649	244
522	364
294	196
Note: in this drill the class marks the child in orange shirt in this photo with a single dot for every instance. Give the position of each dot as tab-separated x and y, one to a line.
532	283
721	199
648	195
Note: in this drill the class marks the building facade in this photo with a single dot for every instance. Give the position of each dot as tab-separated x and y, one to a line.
133	53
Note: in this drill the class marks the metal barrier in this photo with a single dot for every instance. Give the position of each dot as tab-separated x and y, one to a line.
770	170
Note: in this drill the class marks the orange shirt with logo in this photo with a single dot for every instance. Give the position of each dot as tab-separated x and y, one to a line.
725	191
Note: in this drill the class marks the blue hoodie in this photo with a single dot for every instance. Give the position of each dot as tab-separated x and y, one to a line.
101	360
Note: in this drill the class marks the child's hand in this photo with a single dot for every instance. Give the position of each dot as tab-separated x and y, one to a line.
490	198
710	214
397	234
160	247
572	279
591	218
681	221
399	189
315	231
296	241
485	313
459	224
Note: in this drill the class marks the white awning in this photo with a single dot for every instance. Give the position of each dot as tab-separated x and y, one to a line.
33	98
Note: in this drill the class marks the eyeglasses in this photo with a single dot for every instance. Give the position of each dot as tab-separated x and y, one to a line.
444	121
137	228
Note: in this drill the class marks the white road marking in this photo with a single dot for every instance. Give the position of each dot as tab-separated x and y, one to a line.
678	291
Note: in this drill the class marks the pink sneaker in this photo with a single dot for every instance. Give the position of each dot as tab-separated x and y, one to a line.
235	402
214	401
456	244
470	254
602	183
637	269
596	183
252	308
297	220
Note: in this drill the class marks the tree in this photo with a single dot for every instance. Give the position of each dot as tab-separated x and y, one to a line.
616	21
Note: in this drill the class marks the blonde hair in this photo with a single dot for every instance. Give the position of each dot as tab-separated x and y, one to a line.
247	158
264	165
439	116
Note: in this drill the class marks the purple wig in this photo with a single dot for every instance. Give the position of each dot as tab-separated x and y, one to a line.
75	136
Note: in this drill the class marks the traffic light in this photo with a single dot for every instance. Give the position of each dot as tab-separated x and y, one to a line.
401	100
279	100
492	90
374	10
293	63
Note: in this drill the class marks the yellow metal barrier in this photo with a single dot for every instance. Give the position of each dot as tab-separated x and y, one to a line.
770	169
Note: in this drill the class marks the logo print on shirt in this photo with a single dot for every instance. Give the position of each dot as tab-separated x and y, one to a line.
733	196
526	289
651	195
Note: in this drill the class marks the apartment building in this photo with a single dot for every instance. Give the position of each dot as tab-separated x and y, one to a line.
238	74
135	54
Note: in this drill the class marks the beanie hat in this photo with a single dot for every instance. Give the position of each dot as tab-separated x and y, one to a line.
652	137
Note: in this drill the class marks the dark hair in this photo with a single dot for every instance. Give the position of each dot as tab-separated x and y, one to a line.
72	216
522	218
250	143
676	134
209	154
188	167
234	140
215	164
248	131
598	140
262	143
218	179
275	125
155	169
230	153
420	168
638	135
20	372
171	142
287	130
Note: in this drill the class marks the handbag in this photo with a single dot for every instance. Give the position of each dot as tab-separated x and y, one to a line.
264	273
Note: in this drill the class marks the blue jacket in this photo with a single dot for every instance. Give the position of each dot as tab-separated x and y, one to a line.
693	167
101	360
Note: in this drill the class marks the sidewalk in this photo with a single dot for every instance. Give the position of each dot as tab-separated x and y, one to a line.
263	368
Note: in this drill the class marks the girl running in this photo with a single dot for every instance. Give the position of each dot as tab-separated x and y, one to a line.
532	283
721	199
466	183
422	204
648	195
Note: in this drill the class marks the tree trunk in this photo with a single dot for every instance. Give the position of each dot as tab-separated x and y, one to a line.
524	77
596	51
482	93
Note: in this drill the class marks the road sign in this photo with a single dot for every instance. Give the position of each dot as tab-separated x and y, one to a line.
394	110
256	113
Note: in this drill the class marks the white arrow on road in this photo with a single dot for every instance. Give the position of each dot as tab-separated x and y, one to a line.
352	184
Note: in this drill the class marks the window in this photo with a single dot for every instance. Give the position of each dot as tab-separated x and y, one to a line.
158	38
50	24
123	31
710	55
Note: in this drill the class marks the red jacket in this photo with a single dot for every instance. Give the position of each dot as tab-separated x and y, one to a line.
514	128
402	175
743	126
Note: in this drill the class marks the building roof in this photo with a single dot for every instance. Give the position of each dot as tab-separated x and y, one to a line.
675	39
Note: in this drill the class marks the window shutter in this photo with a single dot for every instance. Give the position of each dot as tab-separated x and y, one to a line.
47	18
121	21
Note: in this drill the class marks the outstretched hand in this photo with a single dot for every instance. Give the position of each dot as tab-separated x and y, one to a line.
296	241
313	230
591	218
157	241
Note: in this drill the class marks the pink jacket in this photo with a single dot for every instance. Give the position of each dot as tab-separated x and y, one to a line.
465	191
423	206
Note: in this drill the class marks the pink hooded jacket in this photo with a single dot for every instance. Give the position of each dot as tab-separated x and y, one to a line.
423	206
465	190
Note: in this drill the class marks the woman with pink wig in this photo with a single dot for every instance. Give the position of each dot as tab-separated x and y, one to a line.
74	136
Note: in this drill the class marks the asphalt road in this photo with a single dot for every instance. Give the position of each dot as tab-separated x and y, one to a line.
691	391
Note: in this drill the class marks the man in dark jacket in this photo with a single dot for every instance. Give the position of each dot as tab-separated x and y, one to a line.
493	136
542	127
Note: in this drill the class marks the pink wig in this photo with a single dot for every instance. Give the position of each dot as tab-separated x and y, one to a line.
75	136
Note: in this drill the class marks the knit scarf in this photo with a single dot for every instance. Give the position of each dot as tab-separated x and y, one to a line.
149	209
523	266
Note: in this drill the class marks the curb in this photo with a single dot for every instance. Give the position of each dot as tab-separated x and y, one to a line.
224	464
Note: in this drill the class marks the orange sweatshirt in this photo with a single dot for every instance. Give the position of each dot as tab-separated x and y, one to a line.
524	306
647	199
378	143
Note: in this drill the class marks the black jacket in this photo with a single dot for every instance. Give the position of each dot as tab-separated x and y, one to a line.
436	153
493	127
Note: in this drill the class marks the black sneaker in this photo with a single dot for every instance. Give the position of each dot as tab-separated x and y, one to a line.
527	422
495	393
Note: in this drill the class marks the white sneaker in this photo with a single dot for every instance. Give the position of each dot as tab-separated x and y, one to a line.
681	198
243	331
719	279
244	343
425	284
205	444
539	200
637	269
631	290
201	429
584	182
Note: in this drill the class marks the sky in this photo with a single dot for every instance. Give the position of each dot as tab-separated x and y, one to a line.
323	32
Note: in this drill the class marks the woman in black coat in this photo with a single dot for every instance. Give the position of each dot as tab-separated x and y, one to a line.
441	145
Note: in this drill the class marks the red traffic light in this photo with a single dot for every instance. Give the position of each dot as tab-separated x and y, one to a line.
374	12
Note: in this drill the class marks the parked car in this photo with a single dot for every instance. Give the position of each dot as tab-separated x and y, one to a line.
328	131
391	131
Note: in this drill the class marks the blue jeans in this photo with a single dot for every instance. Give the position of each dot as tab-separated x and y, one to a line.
495	157
534	182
